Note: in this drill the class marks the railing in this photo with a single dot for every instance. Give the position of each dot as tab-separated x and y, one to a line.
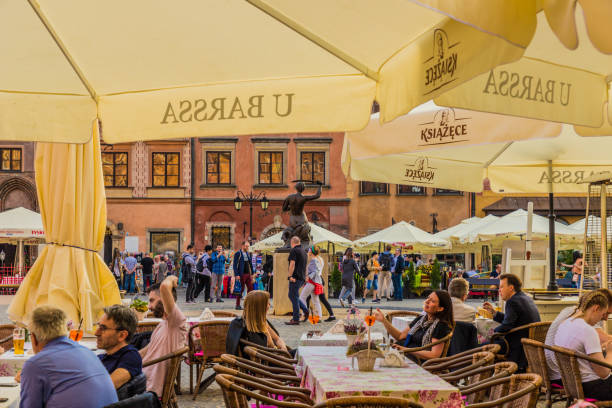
10	278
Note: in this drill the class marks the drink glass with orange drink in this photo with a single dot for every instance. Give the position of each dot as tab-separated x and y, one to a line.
18	341
76	334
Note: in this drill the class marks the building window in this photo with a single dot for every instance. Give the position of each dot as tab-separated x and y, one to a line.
446	192
220	236
11	159
408	190
313	166
166	169
371	188
115	169
163	242
218	167
270	167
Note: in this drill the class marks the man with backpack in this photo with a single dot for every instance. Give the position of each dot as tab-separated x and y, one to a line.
203	274
217	265
396	274
189	269
384	278
243	271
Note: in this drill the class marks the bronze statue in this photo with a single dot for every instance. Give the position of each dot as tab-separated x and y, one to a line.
298	223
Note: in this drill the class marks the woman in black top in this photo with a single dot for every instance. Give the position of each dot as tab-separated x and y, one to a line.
435	323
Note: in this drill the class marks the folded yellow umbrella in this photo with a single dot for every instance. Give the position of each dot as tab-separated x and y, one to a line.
69	273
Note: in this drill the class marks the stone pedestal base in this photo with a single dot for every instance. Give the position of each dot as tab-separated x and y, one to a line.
281	303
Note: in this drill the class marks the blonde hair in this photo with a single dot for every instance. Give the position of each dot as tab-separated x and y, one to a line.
255	311
593	298
48	323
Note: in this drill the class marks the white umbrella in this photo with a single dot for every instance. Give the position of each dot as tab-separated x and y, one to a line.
320	236
402	234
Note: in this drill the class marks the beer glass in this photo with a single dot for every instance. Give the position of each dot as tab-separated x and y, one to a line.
18	340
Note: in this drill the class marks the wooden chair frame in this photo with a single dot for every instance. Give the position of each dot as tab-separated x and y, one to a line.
534	351
399	313
532	388
287	377
6	331
223	313
486	374
168	397
536	332
446	339
208	358
269	358
146	326
269	350
455	370
491	348
235	393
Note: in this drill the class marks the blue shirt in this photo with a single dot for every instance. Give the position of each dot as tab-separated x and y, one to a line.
130	263
64	375
127	358
218	263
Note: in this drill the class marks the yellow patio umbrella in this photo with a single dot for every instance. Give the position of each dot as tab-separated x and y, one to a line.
69	273
564	81
149	70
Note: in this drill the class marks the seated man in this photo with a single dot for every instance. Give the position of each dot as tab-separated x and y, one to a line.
520	310
169	335
62	373
115	330
458	289
578	334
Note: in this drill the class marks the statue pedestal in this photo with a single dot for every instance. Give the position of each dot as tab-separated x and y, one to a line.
280	302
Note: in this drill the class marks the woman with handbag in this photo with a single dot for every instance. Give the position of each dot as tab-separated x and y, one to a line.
314	281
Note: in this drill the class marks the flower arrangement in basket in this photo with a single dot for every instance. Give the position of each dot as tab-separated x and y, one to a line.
366	353
140	307
353	325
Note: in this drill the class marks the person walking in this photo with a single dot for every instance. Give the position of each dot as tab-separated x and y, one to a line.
243	271
189	269
297	269
161	269
204	274
117	267
129	278
349	268
384	277
147	271
218	260
372	281
313	287
396	275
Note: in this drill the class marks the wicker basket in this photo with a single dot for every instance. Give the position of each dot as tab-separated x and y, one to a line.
350	339
366	359
141	315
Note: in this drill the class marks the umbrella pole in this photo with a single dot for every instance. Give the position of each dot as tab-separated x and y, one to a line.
552	259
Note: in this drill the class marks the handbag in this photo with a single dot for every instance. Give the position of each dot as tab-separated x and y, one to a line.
237	287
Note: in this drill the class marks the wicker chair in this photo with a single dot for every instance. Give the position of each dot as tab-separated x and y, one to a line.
146	326
445	340
491	348
455	370
515	391
269	350
269	359
537	331
237	391
221	369
485	374
400	313
368	402
212	337
6	335
534	350
253	368
168	397
568	361
221	313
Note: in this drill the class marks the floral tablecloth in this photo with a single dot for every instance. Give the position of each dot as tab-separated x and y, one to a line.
330	375
485	329
332	340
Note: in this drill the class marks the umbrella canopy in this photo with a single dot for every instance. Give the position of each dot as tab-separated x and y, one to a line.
455	229
148	70
594	225
320	236
463	235
506	167
21	223
402	234
550	81
69	273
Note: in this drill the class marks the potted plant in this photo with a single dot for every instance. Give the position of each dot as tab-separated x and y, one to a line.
409	278
435	275
140	307
335	280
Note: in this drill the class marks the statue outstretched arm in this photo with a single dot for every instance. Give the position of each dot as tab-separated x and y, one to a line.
315	195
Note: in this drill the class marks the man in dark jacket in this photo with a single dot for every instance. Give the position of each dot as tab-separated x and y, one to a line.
520	310
396	274
243	268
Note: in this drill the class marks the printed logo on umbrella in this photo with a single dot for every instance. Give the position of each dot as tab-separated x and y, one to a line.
441	66
445	128
420	172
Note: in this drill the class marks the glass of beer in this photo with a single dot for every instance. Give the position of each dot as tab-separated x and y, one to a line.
18	340
76	335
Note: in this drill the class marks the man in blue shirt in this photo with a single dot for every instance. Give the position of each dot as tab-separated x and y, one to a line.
129	278
115	329
62	374
397	271
218	258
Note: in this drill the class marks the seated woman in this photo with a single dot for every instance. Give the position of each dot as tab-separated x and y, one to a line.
578	334
433	325
253	325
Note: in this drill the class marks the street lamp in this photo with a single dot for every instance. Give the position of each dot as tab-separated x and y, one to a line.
251	198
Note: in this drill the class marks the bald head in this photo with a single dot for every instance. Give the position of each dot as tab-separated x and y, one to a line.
295	241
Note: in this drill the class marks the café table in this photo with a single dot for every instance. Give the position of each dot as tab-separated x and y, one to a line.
328	373
9	392
11	364
332	339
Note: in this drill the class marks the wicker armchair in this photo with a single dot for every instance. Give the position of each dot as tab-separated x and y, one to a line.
368	402
491	348
445	340
212	337
237	391
6	335
168	397
146	326
253	368
515	391
400	313
269	359
221	313
568	361
455	370
537	331
534	350
221	369
485	374
269	350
